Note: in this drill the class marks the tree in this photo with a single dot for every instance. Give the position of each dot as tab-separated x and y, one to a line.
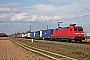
3	35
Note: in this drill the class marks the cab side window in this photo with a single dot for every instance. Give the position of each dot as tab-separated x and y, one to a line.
75	29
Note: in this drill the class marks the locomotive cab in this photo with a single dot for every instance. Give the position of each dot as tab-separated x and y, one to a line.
79	34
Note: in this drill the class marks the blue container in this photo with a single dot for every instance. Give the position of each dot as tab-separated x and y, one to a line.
47	33
37	34
31	34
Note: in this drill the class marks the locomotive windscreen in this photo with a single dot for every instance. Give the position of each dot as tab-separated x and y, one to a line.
78	29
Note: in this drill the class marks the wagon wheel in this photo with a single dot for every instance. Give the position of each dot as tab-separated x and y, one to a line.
69	40
75	40
80	40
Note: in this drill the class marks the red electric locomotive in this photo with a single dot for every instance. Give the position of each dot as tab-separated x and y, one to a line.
70	33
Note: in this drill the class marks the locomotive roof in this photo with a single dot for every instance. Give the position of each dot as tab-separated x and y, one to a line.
60	28
72	24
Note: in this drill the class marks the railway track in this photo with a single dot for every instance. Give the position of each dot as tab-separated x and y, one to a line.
82	44
51	55
86	43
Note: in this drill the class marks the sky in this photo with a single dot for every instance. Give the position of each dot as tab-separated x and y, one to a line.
18	15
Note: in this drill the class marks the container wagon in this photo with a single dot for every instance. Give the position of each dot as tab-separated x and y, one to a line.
47	34
37	35
32	35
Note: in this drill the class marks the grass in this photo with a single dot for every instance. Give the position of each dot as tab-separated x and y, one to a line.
73	48
87	37
4	38
68	48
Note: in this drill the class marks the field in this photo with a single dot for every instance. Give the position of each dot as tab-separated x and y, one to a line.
70	51
87	37
11	51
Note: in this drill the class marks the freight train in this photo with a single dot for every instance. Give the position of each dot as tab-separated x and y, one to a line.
71	33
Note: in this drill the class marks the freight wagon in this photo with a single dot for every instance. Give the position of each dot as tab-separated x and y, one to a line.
37	34
46	34
32	34
27	35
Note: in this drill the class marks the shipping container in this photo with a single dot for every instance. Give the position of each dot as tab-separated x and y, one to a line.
47	33
18	35
28	35
34	34
31	34
40	33
22	35
25	35
37	34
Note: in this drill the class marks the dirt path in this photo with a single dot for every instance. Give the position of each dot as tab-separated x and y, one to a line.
10	51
